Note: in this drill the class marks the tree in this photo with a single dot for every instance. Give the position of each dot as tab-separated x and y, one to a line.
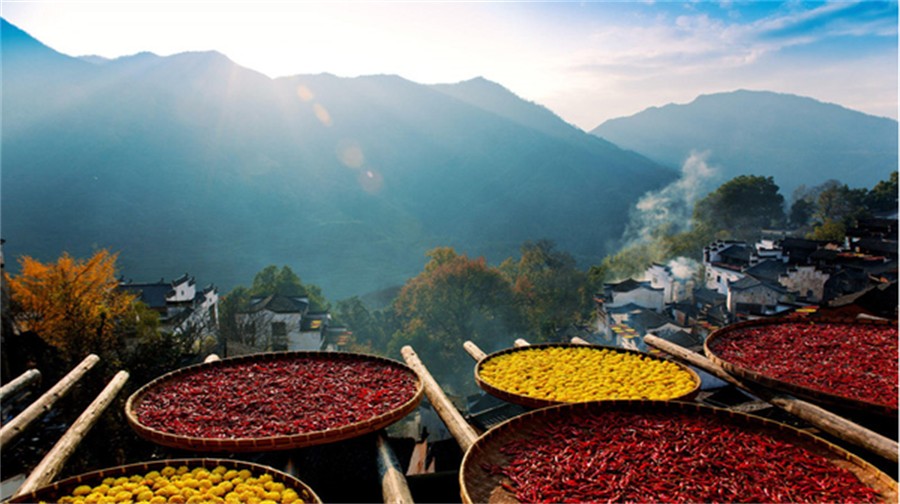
551	292
454	299
883	197
372	330
72	304
742	206
272	280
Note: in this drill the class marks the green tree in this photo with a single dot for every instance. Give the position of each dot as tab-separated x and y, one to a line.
372	330
551	292
272	280
742	206
454	299
883	196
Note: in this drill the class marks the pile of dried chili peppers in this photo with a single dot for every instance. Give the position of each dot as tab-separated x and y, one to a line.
276	398
857	361
627	456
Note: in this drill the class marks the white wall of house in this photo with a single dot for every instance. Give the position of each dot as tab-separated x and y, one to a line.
305	341
652	299
184	291
718	278
760	294
806	281
264	324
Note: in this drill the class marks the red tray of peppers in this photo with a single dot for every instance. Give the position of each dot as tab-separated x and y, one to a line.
273	401
851	365
661	451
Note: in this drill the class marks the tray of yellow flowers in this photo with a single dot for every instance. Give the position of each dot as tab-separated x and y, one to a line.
558	373
185	481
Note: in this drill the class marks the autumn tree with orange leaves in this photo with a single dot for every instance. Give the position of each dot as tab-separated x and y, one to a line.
453	300
74	305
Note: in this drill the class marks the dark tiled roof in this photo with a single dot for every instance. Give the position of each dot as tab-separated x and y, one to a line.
624	286
768	271
703	295
152	295
281	304
749	282
736	253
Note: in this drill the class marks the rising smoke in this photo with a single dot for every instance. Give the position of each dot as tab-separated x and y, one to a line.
667	212
673	205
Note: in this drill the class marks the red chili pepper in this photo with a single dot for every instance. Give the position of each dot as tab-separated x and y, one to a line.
277	397
671	458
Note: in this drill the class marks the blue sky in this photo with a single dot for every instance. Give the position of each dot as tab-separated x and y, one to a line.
586	61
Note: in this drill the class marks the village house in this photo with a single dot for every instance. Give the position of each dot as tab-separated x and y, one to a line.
285	323
182	307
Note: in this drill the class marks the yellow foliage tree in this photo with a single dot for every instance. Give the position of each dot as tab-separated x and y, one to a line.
72	304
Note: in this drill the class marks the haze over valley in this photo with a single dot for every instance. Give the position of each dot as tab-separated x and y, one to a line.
191	162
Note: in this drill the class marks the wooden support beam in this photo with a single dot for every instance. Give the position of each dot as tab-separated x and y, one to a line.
53	462
473	350
23	380
45	403
519	343
394	488
464	434
819	417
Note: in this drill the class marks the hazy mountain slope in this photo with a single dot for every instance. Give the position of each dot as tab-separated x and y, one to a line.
193	163
797	140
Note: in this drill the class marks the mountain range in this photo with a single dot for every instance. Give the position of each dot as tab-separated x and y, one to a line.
192	163
796	140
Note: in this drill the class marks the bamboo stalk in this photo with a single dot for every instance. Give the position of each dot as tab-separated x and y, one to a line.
823	419
394	489
464	434
519	343
53	462
473	350
45	403
23	380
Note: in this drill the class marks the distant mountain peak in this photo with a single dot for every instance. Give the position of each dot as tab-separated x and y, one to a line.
797	140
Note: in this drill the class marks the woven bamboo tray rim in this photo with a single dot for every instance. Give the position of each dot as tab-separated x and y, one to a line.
535	402
55	490
271	443
817	396
479	486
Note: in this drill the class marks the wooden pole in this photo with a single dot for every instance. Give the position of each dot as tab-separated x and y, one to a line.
45	403
473	350
53	462
23	380
394	489
464	434
823	419
519	343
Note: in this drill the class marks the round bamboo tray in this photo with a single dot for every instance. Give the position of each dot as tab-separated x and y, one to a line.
802	392
61	488
271	443
480	484
535	402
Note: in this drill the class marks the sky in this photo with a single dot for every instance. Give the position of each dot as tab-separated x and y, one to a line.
586	61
